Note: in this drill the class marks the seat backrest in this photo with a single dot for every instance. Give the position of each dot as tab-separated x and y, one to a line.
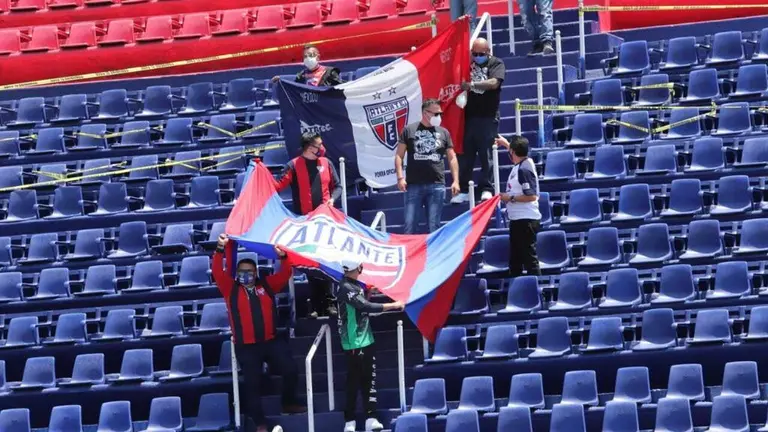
654	95
560	163
755	150
187	359
101	277
137	363
752	78
620	416
685	195
741	378
585	204
462	421
113	197
567	417
50	139
653	240
677	281
633	385
148	274
115	416
734	192
633	56
727	46
702	83
686	381
609	161
66	418
607	92
114	102
526	390
735	117
708	153
89	367
623	285
411	422
120	323
682	51
658	325
165	413
603	243
15	419
704	236
580	387
213	411
673	414
451	341
661	158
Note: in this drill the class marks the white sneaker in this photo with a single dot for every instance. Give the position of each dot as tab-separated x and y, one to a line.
486	196
350	426
373	425
460	198
277	428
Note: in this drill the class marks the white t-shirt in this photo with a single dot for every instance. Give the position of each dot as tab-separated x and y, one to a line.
523	180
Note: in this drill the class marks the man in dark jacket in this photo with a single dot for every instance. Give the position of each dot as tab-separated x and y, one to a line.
313	181
314	73
252	315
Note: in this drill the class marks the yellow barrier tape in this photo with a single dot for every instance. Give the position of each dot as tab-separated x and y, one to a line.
118	164
669	86
217	164
167	163
236	134
25	137
711	107
683	122
53	175
220	57
668	8
629	125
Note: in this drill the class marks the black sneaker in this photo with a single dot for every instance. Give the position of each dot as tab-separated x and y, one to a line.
547	48
536	50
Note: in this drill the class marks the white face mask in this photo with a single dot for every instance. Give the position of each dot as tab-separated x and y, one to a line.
436	121
310	62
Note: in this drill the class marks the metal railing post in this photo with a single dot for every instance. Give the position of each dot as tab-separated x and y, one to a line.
471	194
582	43
518	119
401	365
540	102
381	217
488	32
496	181
425	347
343	169
235	383
292	293
434	25
560	79
329	368
325	331
485	21
511	20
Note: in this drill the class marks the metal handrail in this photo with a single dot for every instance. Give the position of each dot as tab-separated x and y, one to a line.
325	331
343	180
484	20
401	365
235	383
381	217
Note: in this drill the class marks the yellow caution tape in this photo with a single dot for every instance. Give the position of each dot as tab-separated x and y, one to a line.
669	86
220	57
628	125
669	8
524	107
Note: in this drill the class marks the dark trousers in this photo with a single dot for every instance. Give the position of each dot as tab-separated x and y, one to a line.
277	354
479	134
361	378
522	247
319	294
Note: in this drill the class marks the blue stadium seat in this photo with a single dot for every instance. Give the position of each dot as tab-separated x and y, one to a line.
732	281
676	284
734	195
654	96
113	199
707	155
99	280
580	388
363	71
471	298
199	99
673	414
411	422
526	390
186	165
275	157
495	255
552	249
9	144
29	112
177	132
241	95
607	92
73	108
239	183
50	173
682	54
428	396
633	135
165	415
500	343
514	418
622	288
15	420
633	59
477	394
143	168
70	329
741	378
567	417
217	228
88	245
703	240
230	161
573	292
703	87
49	141
462	421
712	327
758	324
10	176
450	345
88	370
136	367
634	203
147	276
186	363
98	172
113	105
754	153
686	381
53	283
553	338
214	318
132	240
523	295
91	137
177	239
734	120
223	126
158	102
266	124
587	131
166	322
602	247
760	53
39	373
653	244
685	198
115	416
545	208
559	165
6	259
752	82
66	418
67	202
633	384
204	192
729	414
681	128
583	207
21	333
659	159
194	273
620	416
213	413
10	287
42	248
158	196
659	330
119	325
609	164
727	49
22	205
605	334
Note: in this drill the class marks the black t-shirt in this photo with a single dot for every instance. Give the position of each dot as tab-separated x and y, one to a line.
426	148
485	103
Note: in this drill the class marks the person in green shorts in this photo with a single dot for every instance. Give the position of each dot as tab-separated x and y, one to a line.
357	343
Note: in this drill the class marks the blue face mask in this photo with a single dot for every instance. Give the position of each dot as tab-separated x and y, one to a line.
481	59
246	278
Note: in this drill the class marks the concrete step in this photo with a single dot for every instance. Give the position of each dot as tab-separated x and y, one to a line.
594	43
558	16
567	29
570	57
526	76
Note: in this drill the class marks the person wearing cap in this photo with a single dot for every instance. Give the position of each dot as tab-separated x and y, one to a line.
314	73
313	181
357	343
252	314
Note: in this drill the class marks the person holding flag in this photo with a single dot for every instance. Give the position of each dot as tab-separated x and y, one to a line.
314	182
314	73
357	343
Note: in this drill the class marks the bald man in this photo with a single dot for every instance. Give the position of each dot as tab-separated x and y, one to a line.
481	120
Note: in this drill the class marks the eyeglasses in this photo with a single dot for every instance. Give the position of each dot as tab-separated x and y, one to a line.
478	54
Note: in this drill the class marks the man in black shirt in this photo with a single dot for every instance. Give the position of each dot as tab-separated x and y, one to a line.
426	143
481	119
314	73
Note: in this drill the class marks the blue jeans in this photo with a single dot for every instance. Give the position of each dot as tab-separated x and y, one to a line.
479	133
460	8
537	21
429	196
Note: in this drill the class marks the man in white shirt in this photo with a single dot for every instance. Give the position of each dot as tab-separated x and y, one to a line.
522	198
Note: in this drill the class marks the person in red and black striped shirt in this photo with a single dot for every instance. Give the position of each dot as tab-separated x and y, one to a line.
252	315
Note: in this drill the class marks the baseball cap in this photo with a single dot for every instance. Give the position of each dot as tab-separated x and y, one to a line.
350	264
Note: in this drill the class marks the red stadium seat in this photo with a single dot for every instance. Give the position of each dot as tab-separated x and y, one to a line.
343	12
380	9
306	15
63	4
119	32
44	38
10	41
81	35
195	26
415	7
158	29
5	5
269	18
234	22
27	5
101	2
133	1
